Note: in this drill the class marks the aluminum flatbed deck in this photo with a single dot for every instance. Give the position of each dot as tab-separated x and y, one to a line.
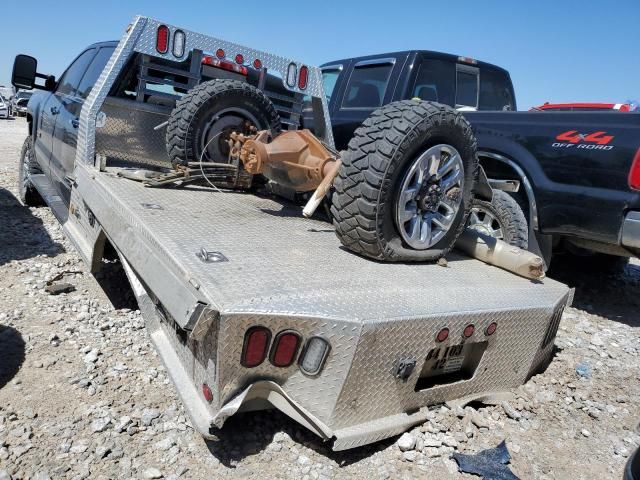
283	271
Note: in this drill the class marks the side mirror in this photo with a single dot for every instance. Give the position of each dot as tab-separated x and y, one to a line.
24	72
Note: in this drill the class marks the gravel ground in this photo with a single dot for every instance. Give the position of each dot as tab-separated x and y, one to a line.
83	394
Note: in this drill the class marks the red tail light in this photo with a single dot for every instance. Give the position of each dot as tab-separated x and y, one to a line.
208	394
442	335
634	173
225	65
285	348
256	343
468	330
162	39
491	329
303	77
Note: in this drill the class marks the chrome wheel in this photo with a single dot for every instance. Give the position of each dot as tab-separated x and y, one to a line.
430	196
485	222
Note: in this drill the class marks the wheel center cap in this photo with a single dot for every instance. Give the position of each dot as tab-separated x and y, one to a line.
429	196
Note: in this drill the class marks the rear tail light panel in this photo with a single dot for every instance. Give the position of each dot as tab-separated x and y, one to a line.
314	356
255	347
162	39
634	173
292	74
285	348
179	43
303	77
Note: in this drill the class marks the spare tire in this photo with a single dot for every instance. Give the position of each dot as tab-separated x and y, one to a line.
200	124
404	190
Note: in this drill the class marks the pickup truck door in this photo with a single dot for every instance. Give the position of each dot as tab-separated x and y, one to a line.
66	135
43	140
365	87
64	103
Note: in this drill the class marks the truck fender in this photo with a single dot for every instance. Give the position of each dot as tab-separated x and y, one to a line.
539	243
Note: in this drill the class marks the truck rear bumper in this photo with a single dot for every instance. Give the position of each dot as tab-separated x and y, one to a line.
631	230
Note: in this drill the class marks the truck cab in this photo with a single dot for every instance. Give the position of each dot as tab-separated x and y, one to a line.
372	81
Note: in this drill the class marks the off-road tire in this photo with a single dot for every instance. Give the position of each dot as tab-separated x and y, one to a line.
28	194
507	212
372	170
202	103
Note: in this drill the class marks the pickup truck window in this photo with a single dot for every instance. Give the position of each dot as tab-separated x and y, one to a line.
71	78
97	66
466	87
495	91
329	79
435	82
367	86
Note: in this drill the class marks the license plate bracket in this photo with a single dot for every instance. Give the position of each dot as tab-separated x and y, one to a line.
449	364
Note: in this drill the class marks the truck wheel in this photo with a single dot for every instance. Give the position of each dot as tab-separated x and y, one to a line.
404	190
501	218
28	194
201	122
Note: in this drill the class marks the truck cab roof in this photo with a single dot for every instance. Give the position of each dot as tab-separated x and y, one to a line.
414	53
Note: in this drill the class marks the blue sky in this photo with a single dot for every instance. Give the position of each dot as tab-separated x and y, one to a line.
555	50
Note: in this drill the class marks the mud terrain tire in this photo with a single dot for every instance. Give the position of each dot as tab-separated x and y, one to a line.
380	158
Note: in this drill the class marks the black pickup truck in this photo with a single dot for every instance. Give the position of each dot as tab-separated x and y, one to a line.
577	174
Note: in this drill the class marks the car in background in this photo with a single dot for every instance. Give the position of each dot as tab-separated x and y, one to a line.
19	103
7	93
4	109
585	107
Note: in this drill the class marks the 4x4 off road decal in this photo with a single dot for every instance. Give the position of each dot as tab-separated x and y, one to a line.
589	141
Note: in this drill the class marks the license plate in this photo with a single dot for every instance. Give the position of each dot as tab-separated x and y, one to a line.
449	364
443	360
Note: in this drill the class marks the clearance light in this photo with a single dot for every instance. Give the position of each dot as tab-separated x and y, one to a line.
314	355
468	330
239	59
491	329
292	73
442	335
256	343
162	39
179	41
303	77
257	64
634	173
469	60
220	53
285	348
208	394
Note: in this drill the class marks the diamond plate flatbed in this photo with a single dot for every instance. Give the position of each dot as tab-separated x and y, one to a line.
279	261
287	272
